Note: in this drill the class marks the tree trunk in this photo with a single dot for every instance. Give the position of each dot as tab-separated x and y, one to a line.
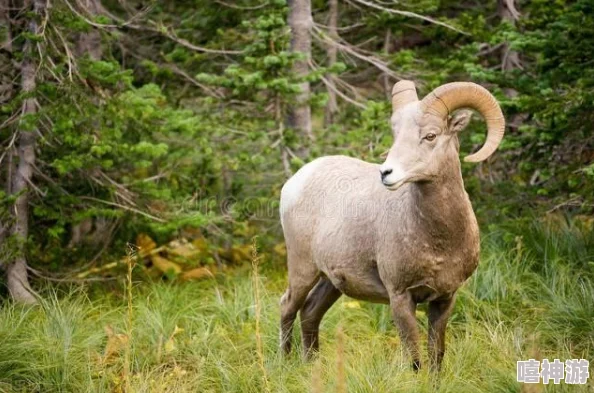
508	12
6	61
90	42
281	130
387	87
332	105
510	59
16	272
6	93
300	22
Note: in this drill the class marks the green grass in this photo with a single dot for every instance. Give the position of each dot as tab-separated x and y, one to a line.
531	297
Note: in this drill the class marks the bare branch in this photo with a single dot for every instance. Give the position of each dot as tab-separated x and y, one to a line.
185	43
409	14
45	276
176	70
10	145
341	94
486	49
161	30
347	86
123	207
69	57
378	63
87	20
344	28
45	177
237	7
332	86
14	117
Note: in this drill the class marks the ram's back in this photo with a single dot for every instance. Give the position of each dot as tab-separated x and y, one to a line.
330	188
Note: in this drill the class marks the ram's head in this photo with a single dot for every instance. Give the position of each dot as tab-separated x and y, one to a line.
426	131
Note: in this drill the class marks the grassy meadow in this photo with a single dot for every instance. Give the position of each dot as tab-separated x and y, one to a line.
532	296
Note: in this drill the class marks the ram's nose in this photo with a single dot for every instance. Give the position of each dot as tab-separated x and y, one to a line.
384	172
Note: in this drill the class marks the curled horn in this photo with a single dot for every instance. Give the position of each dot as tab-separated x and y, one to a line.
447	98
403	92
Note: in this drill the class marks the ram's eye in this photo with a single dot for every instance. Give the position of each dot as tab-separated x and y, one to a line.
430	137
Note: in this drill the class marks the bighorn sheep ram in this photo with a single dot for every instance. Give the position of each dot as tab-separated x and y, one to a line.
401	233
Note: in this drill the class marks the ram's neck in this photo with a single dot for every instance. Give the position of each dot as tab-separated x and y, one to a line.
442	206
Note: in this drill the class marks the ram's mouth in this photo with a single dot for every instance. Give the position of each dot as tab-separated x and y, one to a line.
396	185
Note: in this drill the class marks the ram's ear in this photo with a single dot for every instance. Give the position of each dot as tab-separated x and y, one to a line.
459	121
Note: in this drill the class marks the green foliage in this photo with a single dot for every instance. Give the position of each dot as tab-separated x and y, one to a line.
168	130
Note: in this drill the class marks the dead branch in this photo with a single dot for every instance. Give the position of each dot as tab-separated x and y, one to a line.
341	94
159	29
65	279
123	207
409	14
176	70
342	29
245	8
381	65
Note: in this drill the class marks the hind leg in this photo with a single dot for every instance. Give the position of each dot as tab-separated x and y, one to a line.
319	300
439	313
302	277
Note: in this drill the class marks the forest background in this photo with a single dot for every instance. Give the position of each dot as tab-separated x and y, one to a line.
162	132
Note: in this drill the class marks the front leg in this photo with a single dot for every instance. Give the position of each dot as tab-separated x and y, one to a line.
439	313
403	310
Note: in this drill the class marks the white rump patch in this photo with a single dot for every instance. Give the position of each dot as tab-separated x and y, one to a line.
293	188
